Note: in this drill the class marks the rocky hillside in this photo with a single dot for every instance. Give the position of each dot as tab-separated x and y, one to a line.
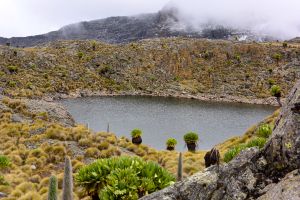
165	23
203	69
270	173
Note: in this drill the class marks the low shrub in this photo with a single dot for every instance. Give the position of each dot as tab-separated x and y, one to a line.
4	161
122	178
233	152
277	57
264	131
12	84
13	69
257	142
80	54
3	181
271	82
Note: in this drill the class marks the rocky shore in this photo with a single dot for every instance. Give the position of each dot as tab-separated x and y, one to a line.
202	97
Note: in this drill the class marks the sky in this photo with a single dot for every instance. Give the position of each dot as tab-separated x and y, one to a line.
277	18
31	17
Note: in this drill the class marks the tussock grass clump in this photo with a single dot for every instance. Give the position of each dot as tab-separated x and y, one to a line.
26	187
31	195
92	152
84	142
103	146
3	181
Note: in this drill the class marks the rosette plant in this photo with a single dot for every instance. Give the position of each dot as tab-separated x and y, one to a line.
191	140
136	135
171	143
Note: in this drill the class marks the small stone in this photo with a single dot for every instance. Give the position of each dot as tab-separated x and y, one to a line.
2	195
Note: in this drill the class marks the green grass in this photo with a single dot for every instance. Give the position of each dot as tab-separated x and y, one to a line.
257	142
233	152
4	161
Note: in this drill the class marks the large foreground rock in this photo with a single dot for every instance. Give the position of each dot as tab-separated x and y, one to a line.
271	173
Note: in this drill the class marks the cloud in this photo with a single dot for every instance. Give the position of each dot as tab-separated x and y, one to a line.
277	18
29	17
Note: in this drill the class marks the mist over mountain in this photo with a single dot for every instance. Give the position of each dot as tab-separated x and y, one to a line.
238	21
264	18
164	23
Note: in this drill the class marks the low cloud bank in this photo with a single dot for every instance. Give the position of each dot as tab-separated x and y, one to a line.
276	18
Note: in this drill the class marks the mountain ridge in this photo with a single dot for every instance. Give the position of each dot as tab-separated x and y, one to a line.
124	29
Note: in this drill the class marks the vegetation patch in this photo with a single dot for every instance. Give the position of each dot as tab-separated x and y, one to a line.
123	178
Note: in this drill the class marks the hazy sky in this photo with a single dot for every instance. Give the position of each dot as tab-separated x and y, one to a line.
278	18
28	17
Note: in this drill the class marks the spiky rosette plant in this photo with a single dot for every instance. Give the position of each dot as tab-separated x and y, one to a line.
136	135
52	192
68	180
180	168
171	143
191	140
276	92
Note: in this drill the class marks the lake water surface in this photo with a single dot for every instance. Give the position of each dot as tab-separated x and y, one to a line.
161	118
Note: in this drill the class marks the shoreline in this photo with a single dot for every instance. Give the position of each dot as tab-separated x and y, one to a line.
270	101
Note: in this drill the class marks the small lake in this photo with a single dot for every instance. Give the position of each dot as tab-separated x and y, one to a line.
161	118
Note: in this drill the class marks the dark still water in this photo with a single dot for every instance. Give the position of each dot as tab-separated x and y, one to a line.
161	118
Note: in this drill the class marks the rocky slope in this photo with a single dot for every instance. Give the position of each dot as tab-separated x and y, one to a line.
165	23
211	70
270	173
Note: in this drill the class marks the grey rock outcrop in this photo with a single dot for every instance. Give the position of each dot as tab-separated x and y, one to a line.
55	111
287	189
270	173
